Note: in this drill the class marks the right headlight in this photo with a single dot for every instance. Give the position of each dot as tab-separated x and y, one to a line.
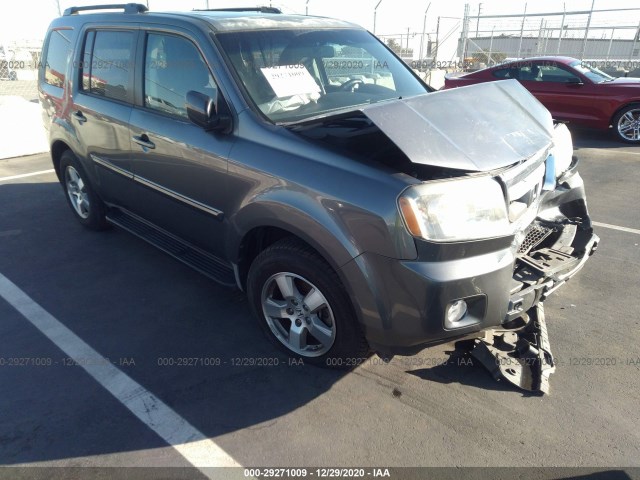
455	210
562	149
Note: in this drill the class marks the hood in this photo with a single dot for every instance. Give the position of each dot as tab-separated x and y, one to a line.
476	128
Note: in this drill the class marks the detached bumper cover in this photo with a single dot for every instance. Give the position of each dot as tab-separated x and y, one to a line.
520	354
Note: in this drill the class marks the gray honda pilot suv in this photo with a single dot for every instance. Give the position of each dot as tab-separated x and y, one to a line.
300	160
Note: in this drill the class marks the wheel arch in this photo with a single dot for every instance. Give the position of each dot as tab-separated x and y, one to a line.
630	105
621	108
57	149
260	237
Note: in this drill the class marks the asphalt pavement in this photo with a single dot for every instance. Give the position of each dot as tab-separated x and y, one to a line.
195	347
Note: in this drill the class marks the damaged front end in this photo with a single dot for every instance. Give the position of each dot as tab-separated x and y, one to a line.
498	212
549	250
508	135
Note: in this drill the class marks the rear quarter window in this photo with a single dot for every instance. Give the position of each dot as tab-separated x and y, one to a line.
56	57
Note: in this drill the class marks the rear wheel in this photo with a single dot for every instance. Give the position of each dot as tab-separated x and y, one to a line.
302	306
84	202
626	124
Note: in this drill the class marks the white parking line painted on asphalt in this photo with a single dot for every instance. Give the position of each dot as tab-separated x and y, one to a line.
194	446
24	175
607	152
616	227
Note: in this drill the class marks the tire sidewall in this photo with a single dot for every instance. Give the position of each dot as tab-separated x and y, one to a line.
346	351
96	218
616	119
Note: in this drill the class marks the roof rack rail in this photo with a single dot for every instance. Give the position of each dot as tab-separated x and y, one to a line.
127	7
241	9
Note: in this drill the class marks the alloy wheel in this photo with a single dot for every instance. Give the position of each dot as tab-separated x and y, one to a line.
298	314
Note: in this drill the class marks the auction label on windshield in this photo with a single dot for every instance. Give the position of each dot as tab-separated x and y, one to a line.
289	80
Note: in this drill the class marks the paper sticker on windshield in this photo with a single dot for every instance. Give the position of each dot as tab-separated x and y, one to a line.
288	80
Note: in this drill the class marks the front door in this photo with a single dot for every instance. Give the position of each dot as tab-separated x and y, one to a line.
180	168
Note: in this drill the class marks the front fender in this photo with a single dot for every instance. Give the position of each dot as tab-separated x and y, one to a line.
313	220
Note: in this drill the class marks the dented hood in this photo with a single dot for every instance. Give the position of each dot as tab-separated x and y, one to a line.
476	128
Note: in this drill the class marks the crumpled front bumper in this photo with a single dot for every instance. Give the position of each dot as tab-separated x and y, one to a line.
541	271
554	247
403	304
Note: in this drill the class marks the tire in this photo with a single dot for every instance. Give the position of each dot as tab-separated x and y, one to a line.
626	124
84	202
292	290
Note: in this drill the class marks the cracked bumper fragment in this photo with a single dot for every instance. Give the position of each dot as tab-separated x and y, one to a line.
519	352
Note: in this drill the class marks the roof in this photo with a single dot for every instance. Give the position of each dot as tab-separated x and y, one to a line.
549	58
229	21
232	20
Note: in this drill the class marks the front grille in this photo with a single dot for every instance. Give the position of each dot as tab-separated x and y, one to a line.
523	185
534	237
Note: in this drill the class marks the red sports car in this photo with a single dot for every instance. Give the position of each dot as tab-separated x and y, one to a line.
573	92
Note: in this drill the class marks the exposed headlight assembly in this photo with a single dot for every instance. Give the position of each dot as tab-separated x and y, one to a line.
455	210
562	149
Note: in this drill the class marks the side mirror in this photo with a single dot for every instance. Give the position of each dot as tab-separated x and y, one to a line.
201	110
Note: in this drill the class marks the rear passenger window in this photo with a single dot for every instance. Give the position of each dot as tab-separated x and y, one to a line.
173	66
56	57
108	60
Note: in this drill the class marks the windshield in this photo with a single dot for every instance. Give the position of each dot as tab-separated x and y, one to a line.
593	74
292	75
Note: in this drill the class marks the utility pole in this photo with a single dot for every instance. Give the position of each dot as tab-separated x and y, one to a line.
58	5
407	52
564	15
478	18
586	31
435	54
424	31
465	31
375	12
524	17
306	12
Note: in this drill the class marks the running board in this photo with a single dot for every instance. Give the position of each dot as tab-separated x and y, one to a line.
520	354
194	257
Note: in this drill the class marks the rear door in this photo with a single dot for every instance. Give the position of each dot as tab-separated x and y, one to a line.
181	169
102	107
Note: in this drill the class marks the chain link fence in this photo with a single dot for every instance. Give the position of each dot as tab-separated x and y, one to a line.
22	28
608	39
19	62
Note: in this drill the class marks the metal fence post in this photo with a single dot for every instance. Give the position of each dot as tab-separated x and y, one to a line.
635	42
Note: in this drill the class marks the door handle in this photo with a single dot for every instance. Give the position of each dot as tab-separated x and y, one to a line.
144	141
79	116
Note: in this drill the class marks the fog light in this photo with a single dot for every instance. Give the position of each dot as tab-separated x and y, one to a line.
456	311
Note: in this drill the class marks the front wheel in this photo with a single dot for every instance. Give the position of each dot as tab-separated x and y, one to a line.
84	202
626	124
302	306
